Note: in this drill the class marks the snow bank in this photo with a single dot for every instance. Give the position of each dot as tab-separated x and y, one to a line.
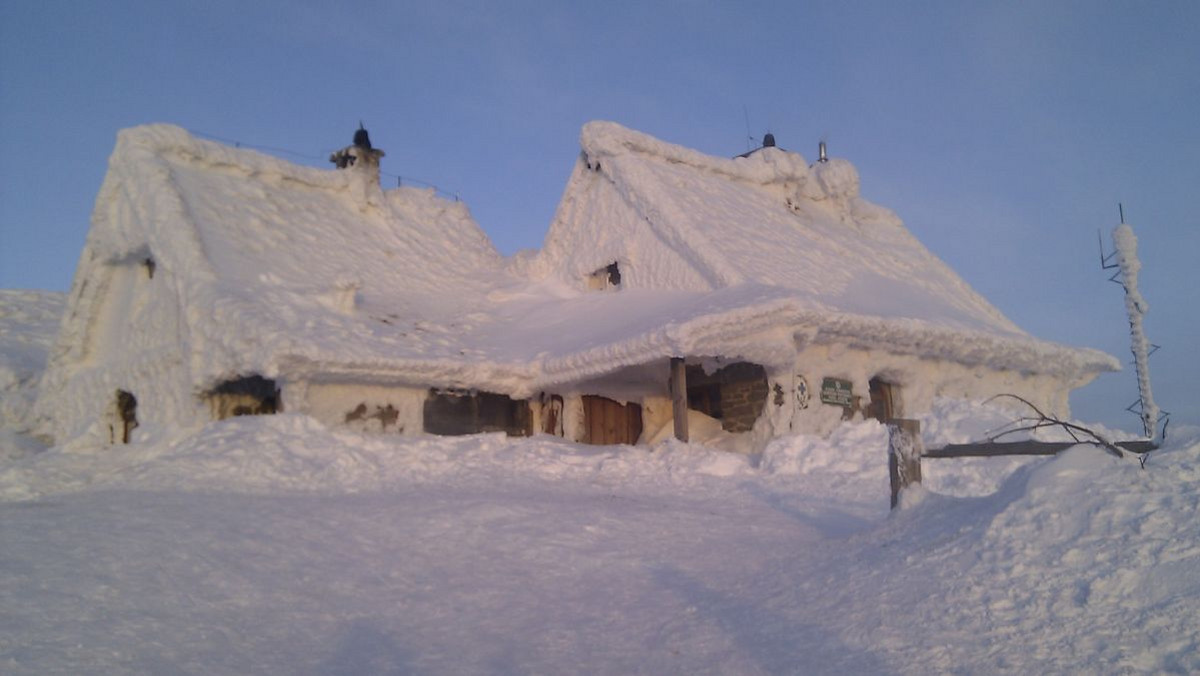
1083	559
290	453
229	552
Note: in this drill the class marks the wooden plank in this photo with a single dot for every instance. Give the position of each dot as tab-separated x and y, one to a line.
679	407
1028	447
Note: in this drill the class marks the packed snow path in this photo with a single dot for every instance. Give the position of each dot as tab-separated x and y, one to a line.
544	557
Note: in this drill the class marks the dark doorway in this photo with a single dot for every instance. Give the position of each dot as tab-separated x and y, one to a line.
248	395
126	417
883	406
735	394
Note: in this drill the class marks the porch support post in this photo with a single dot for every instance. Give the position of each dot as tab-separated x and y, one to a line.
679	408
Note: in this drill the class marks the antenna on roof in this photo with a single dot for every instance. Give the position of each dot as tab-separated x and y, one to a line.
1121	207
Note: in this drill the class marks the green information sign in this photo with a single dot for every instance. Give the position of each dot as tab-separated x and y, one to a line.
837	392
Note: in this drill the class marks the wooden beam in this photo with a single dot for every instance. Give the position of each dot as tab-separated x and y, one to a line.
679	407
1028	447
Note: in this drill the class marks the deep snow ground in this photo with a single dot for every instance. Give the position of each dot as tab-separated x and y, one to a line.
271	545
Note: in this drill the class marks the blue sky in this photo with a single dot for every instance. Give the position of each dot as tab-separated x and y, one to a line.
1004	134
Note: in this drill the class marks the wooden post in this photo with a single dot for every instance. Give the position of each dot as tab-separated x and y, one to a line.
904	455
679	407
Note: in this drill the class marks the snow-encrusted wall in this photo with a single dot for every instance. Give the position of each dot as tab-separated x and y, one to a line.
917	382
366	407
131	342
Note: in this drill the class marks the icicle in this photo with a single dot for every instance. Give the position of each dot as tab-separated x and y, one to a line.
1136	307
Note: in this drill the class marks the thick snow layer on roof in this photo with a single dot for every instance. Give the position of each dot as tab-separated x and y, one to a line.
769	227
288	269
767	218
277	261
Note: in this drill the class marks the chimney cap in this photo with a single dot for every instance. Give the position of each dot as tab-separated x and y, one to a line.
769	140
361	138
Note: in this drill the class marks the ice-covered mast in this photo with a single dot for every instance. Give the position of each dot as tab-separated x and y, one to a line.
1125	245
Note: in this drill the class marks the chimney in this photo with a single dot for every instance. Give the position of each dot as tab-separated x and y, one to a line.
769	140
359	154
821	156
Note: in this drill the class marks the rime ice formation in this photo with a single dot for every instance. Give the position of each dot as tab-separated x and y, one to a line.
1136	307
205	263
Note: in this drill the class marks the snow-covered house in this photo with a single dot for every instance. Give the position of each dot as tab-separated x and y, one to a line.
761	294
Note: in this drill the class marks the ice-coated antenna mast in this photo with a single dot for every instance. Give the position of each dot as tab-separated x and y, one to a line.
1127	266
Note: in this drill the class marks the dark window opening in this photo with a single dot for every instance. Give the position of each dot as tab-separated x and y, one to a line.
552	414
614	274
454	413
248	395
735	394
606	277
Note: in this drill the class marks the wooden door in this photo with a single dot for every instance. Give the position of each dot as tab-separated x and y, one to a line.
883	402
608	422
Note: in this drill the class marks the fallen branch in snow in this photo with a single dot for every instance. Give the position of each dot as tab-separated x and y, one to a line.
1079	433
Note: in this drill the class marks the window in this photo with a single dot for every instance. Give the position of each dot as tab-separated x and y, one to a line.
457	412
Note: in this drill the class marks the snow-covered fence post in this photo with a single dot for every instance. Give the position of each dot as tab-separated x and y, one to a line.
904	455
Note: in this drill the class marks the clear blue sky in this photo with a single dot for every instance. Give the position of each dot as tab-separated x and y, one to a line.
1004	134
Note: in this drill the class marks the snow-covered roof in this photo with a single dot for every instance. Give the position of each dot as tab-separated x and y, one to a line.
817	254
284	268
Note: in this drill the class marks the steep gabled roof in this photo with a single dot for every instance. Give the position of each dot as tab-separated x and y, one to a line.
767	219
800	236
276	262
